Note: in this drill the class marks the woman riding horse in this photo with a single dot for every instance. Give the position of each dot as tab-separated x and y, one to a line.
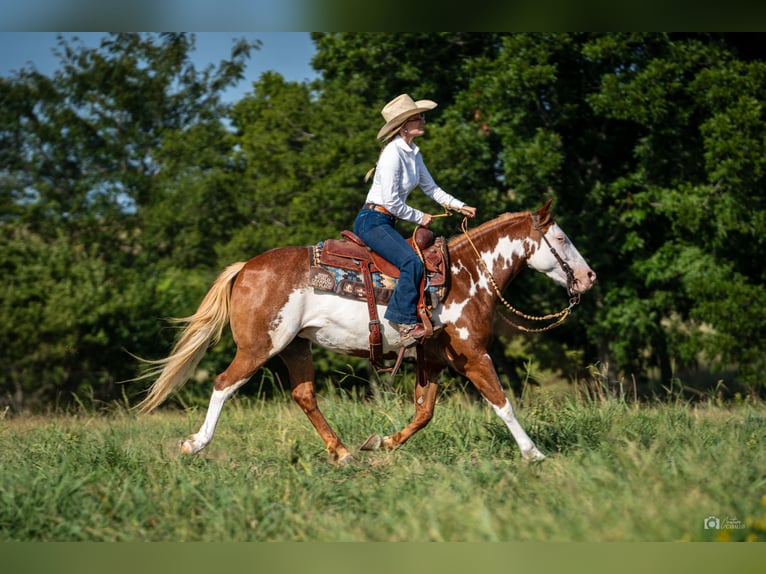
400	169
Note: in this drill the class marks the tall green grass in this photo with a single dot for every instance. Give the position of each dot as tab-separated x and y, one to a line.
615	472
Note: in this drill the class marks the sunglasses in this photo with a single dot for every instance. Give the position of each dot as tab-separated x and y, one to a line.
417	118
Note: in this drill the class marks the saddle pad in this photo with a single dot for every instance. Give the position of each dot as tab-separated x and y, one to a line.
349	282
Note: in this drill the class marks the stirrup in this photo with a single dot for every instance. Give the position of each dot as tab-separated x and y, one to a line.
410	335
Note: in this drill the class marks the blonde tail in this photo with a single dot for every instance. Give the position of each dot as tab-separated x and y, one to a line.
203	329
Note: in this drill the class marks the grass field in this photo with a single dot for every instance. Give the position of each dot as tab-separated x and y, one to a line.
615	472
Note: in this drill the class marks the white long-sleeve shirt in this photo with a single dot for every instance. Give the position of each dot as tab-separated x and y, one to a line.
401	169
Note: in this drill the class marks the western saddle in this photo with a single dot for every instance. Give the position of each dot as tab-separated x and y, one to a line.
351	253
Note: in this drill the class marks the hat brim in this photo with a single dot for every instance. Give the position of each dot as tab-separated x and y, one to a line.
420	107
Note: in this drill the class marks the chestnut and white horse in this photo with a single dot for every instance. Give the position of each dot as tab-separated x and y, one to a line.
273	310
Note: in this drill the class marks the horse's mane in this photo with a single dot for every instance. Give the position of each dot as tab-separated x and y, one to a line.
502	220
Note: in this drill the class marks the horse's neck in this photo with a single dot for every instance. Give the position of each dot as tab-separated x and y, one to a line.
501	244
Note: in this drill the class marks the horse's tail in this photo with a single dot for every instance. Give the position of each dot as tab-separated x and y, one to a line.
203	329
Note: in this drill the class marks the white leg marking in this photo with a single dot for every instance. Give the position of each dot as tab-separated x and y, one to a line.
202	438
528	449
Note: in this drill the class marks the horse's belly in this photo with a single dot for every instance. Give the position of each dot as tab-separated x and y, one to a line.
342	325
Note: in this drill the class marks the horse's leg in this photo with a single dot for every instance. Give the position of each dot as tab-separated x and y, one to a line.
236	374
481	372
425	398
300	367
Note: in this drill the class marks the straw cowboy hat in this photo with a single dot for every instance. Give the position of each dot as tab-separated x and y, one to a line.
399	109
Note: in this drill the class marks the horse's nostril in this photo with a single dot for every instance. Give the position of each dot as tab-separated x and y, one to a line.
592	276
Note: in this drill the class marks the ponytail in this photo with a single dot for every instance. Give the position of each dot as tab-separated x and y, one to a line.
389	138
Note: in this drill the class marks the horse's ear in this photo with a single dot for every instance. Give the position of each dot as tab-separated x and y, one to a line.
544	213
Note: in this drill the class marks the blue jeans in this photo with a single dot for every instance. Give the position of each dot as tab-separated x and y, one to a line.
377	230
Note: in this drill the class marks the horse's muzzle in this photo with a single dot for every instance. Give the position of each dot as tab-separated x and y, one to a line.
583	282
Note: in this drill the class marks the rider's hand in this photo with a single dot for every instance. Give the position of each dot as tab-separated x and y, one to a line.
468	211
427	219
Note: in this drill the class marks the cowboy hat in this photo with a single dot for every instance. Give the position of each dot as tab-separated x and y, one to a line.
399	109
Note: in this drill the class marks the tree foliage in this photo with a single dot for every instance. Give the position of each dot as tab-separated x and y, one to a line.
126	185
93	161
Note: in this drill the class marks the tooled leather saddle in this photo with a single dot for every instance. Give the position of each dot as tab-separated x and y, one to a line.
336	265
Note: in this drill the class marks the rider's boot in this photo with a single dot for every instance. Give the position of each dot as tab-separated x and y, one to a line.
410	334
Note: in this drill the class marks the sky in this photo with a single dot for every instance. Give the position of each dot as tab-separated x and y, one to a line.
167	15
288	53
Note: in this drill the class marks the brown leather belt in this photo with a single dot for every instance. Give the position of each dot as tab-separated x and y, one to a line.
377	207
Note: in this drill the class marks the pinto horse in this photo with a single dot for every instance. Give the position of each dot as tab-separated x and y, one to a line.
272	310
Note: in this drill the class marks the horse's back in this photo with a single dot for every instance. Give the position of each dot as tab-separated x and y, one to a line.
281	265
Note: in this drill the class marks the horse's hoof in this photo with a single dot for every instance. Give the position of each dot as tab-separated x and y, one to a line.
345	460
533	455
187	447
372	443
340	456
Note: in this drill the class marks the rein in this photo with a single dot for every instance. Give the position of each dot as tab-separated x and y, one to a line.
559	317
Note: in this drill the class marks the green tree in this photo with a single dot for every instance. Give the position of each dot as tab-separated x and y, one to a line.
94	162
67	319
693	206
379	66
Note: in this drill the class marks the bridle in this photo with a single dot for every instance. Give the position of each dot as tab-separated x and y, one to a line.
558	318
563	264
